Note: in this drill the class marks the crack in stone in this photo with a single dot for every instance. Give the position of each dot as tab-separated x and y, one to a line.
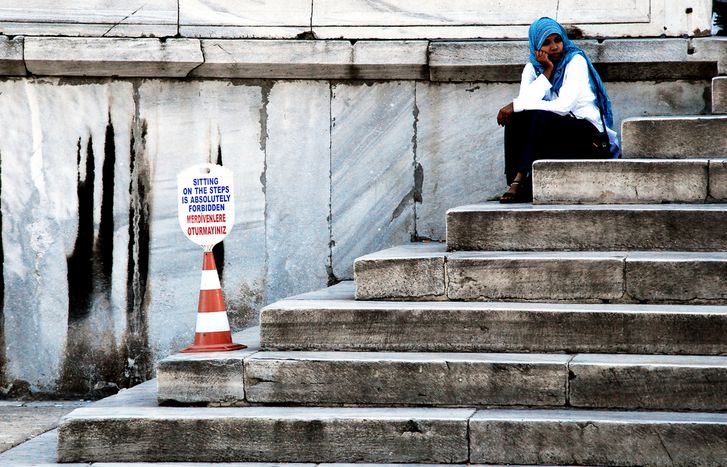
663	445
132	14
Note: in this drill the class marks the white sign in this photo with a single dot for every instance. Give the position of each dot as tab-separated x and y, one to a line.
206	199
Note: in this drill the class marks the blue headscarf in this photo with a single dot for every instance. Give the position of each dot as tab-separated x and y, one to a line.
539	31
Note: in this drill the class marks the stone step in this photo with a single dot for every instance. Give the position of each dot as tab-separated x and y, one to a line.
407	379
674	137
428	272
719	95
659	382
524	227
148	433
349	325
140	431
624	181
582	437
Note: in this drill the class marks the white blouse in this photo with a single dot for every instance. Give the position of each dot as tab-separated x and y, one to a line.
575	94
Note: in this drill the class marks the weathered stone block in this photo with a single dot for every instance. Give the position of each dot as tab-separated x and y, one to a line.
131	18
487	19
202	377
390	60
11	56
675	137
67	56
579	437
372	134
297	187
615	59
677	277
458	162
493	327
244	18
477	61
406	379
657	382
408	271
496	227
534	276
264	434
711	49
278	59
719	94
620	181
718	179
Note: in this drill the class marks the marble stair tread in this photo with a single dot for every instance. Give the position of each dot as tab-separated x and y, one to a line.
589	437
609	381
454	326
148	433
576	227
144	432
629	181
674	137
403	273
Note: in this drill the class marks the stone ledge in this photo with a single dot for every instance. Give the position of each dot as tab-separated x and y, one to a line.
305	59
495	61
615	59
125	57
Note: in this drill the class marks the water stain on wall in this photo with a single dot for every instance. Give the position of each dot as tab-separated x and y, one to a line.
95	364
92	365
136	349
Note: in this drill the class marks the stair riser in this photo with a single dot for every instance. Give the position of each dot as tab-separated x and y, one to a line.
606	382
434	383
627	182
233	439
648	386
719	95
494	331
584	229
595	443
676	138
553	279
191	382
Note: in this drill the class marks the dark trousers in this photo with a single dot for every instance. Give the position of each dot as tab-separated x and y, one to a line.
532	135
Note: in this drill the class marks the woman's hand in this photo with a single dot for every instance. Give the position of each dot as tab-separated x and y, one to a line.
504	114
542	58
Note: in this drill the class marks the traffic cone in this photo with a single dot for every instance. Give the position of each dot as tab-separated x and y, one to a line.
213	330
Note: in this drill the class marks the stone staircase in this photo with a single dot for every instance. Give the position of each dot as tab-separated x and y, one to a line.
587	328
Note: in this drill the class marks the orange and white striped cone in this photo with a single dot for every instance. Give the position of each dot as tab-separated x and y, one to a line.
213	329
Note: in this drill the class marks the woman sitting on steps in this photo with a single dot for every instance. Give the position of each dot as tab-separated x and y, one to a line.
559	113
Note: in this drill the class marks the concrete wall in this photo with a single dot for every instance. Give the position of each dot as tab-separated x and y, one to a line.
99	281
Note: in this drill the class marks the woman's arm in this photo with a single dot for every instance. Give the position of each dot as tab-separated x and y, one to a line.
575	81
533	87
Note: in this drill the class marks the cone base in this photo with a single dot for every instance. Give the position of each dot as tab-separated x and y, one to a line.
213	348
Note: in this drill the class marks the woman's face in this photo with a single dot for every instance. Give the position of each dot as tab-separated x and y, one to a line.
553	46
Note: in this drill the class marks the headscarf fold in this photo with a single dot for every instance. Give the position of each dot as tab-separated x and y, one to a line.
538	33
